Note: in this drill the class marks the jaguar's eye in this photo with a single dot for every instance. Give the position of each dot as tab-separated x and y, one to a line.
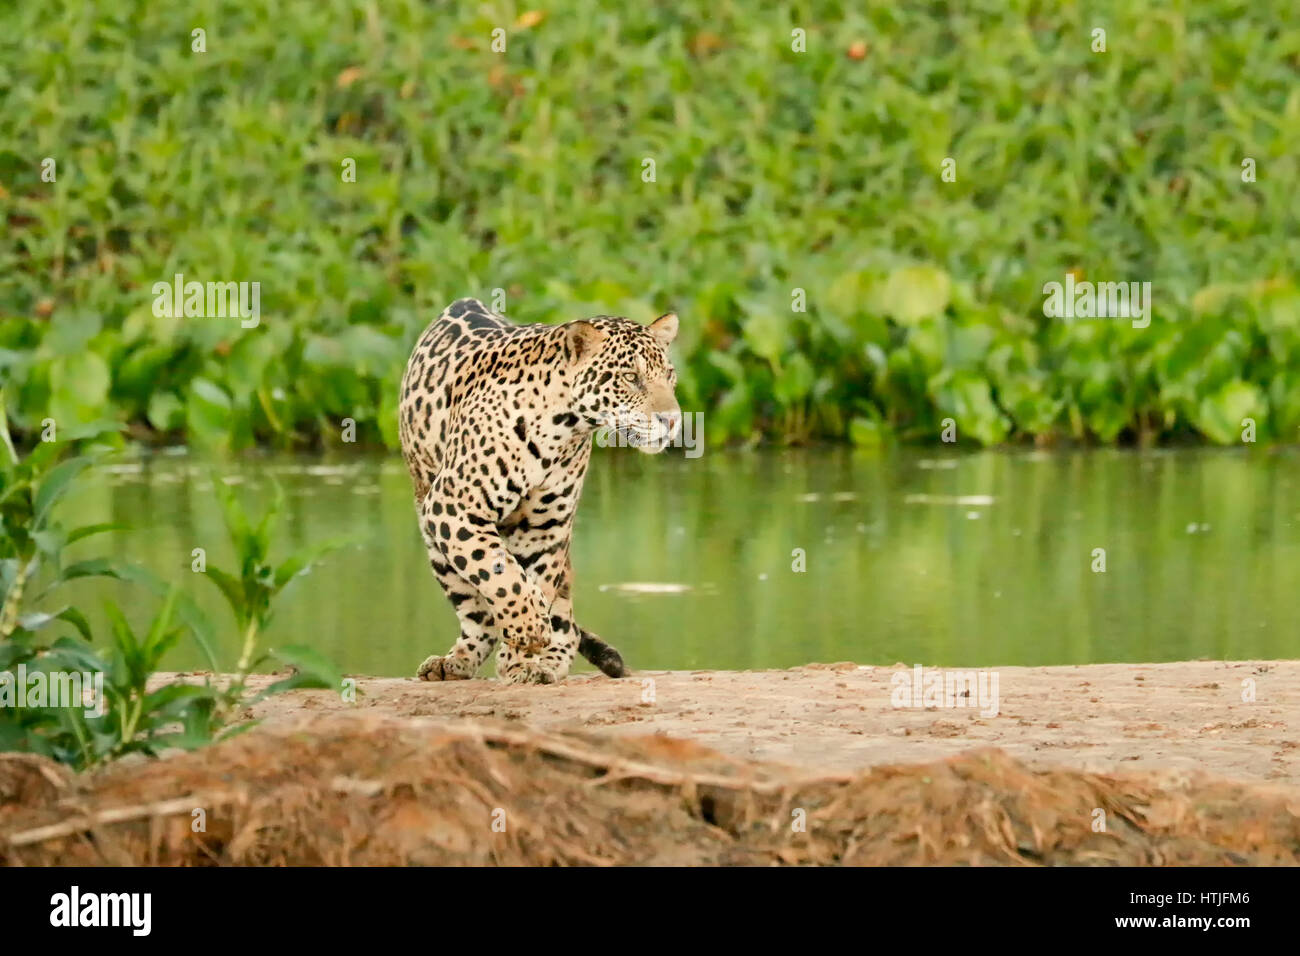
632	378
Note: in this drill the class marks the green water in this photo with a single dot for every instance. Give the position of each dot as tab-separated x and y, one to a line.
686	564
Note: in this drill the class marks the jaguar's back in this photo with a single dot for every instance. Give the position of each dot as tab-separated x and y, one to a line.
467	357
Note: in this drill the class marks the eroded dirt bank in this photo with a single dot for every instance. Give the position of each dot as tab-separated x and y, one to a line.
371	789
812	765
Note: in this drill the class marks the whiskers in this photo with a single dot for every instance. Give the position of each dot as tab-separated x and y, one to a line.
634	429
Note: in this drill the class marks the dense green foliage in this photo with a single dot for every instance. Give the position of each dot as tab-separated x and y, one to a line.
46	643
775	170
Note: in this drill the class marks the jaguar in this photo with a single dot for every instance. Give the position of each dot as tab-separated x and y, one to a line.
496	422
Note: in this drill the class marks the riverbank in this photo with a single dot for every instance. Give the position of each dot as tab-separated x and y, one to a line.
1183	716
1123	764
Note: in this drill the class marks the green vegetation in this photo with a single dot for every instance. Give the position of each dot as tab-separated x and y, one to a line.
123	714
775	170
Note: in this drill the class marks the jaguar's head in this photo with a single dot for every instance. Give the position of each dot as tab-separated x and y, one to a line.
624	380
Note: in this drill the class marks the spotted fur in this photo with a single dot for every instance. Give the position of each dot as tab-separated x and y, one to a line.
496	423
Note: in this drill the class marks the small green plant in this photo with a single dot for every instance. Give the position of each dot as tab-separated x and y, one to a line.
33	542
112	703
32	568
253	587
122	714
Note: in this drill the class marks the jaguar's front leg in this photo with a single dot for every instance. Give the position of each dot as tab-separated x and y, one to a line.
478	633
538	535
544	661
469	542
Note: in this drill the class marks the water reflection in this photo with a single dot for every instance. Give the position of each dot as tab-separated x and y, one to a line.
914	556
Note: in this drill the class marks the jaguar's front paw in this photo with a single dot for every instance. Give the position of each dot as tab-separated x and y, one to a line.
442	667
530	672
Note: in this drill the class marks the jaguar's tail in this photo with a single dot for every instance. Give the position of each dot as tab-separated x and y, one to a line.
601	654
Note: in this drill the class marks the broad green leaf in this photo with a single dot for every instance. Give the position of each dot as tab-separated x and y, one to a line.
302	561
914	293
1221	417
53	485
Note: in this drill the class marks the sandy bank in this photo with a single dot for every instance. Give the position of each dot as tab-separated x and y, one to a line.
839	717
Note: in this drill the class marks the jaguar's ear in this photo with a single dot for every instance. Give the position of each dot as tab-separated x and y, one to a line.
582	339
664	328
